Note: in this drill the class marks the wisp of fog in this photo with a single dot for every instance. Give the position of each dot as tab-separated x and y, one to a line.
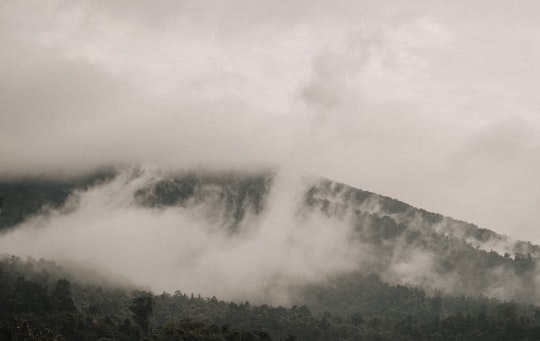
180	248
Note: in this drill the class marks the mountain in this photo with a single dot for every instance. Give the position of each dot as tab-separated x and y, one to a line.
271	237
399	243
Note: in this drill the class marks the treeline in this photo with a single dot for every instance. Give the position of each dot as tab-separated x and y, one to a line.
349	294
37	305
39	301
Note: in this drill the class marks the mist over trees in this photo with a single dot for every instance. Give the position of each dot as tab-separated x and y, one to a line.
37	305
254	257
194	230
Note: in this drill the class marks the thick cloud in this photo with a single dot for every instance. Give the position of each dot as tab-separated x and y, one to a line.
181	248
417	101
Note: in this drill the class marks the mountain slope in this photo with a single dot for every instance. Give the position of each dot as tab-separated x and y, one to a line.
287	232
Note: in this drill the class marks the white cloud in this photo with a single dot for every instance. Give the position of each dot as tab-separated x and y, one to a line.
181	248
381	95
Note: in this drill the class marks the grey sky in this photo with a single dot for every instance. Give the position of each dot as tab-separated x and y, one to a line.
434	103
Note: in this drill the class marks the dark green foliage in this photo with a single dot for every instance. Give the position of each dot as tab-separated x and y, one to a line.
141	307
28	297
238	194
15	328
38	306
61	297
189	329
170	192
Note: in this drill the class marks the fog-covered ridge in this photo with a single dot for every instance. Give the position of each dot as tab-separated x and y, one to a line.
335	198
261	236
229	196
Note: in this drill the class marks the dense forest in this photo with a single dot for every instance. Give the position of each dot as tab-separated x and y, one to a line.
41	301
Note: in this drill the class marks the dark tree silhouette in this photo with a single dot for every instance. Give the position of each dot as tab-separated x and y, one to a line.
142	307
61	297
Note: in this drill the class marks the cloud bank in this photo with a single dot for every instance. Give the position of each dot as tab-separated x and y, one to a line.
174	248
429	102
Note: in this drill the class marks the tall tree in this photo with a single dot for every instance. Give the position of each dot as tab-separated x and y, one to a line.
142	307
61	297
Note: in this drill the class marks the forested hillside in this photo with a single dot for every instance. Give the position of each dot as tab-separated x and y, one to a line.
143	254
38	303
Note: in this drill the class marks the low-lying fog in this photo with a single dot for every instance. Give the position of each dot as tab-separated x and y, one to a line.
179	248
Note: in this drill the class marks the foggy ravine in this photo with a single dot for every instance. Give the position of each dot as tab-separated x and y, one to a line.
263	236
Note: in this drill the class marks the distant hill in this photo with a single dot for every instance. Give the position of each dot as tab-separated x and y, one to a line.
400	244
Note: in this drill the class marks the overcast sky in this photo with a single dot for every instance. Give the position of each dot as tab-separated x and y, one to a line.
432	102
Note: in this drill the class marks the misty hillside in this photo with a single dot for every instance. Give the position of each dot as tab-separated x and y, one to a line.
328	229
40	300
316	259
238	194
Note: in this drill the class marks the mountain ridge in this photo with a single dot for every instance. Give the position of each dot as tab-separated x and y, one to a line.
402	244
